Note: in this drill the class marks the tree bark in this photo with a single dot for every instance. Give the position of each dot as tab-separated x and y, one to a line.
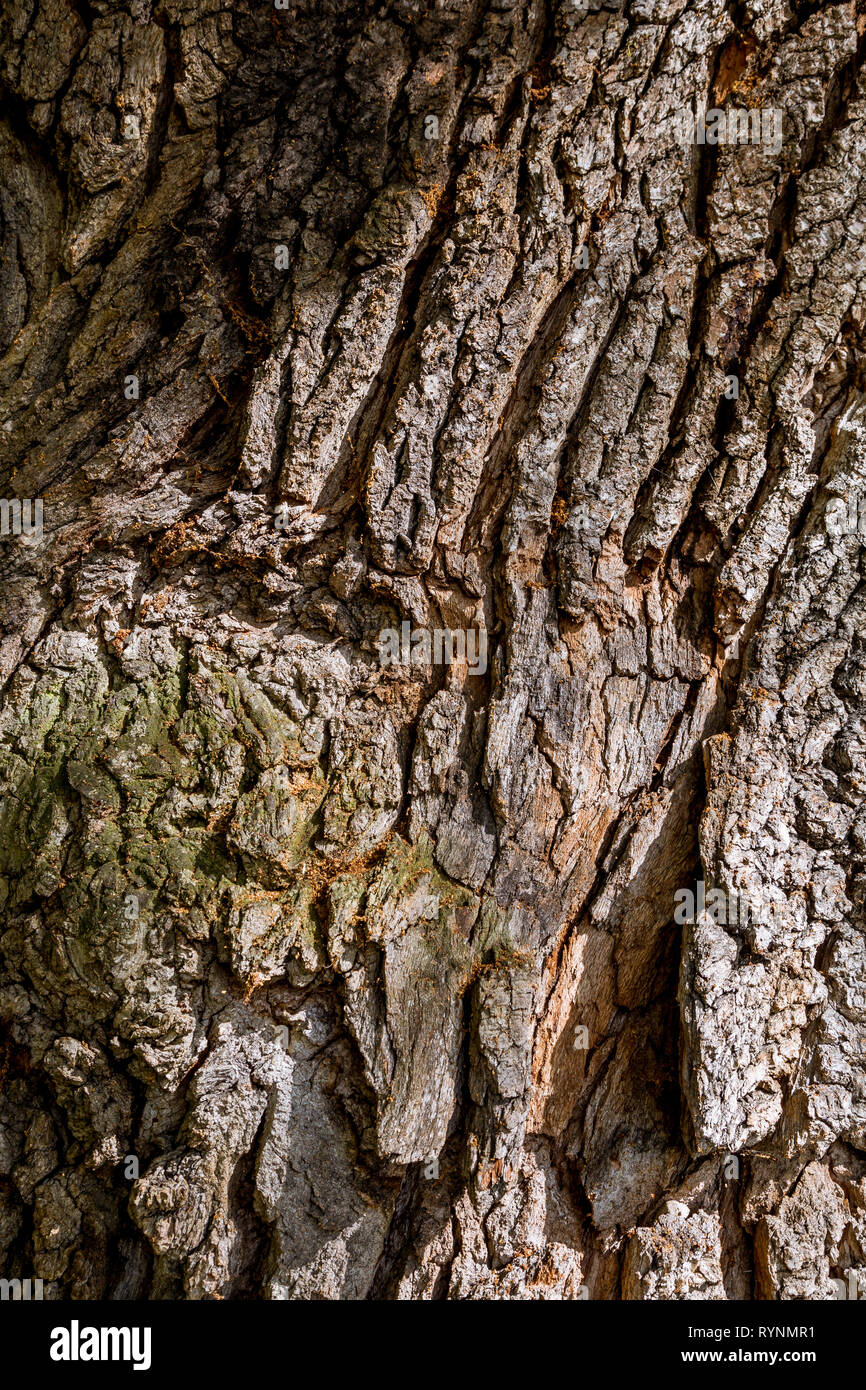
432	743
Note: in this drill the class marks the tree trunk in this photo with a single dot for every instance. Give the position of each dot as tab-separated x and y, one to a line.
431	850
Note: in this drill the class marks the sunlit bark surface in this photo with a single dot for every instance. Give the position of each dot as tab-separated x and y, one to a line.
432	656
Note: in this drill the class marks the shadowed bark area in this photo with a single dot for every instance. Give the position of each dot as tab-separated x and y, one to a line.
432	736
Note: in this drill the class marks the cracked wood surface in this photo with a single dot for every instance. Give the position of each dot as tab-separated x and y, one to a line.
327	978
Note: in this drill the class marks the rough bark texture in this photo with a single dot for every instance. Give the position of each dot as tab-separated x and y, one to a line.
324	978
